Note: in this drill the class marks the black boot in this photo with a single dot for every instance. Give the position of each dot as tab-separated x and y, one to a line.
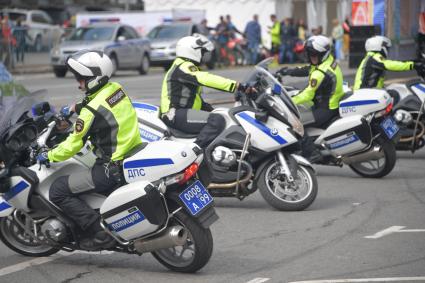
97	239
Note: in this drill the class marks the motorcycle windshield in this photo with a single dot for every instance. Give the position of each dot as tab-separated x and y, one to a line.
15	107
270	84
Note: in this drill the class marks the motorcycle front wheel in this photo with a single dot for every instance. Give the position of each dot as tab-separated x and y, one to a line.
15	238
194	254
377	168
284	195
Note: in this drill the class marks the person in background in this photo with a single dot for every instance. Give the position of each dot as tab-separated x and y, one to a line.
301	30
253	37
275	36
346	27
203	28
288	36
222	34
6	31
21	35
231	27
337	36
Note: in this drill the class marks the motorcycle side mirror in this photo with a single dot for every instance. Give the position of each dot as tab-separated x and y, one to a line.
41	108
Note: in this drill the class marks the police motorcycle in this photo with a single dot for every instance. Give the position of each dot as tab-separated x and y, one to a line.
362	137
256	150
409	113
162	208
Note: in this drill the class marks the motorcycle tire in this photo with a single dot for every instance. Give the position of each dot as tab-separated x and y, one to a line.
305	176
199	237
13	236
390	156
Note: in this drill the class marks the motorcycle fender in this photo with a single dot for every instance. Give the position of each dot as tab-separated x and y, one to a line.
302	161
6	208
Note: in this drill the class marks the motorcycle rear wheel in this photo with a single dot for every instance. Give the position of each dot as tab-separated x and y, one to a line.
290	197
376	168
15	238
195	254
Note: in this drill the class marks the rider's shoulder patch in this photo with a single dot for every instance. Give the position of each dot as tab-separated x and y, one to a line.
313	82
79	125
193	68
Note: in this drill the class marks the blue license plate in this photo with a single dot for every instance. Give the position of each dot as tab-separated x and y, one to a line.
390	127
196	197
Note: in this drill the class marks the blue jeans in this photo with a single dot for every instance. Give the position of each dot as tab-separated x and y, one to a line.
253	52
286	52
338	50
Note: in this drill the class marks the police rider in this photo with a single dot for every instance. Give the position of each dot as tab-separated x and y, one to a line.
182	106
325	80
106	118
324	88
371	73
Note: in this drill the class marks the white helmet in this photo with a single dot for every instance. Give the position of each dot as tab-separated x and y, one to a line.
318	45
193	47
94	67
378	43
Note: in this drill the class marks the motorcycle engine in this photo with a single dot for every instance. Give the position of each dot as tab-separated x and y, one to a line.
54	230
224	156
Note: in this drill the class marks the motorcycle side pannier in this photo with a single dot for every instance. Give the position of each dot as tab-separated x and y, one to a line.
134	210
346	135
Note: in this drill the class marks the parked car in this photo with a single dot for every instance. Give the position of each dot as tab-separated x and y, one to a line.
164	40
43	33
122	43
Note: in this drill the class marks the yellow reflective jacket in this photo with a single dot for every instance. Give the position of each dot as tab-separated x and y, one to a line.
324	87
109	121
182	86
371	72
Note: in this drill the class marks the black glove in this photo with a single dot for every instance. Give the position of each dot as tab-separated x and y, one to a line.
419	66
283	71
247	89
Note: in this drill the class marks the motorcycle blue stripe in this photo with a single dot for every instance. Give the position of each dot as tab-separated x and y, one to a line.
4	205
144	106
358	103
420	87
19	187
262	127
147	163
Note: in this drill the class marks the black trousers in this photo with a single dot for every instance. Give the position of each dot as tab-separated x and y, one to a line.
208	125
66	190
323	117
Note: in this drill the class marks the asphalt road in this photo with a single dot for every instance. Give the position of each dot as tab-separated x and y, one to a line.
358	229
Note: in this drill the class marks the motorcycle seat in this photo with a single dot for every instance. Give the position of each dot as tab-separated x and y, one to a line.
179	134
346	95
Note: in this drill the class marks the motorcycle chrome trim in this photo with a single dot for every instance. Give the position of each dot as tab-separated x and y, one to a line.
173	236
416	125
34	236
372	154
244	151
233	184
284	166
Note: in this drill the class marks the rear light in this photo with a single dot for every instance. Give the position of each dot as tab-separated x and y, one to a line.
189	172
389	108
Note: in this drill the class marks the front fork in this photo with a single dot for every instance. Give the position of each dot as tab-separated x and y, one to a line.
284	168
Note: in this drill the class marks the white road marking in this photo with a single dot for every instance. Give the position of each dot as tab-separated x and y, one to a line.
389	279
385	232
258	280
394	229
41	260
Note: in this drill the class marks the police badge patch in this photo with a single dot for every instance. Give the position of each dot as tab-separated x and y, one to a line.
79	125
313	82
193	68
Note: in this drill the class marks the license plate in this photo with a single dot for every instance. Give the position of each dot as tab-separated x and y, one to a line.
390	127
196	197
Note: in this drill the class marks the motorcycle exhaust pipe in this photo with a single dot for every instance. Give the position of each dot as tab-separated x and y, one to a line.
373	154
232	184
173	236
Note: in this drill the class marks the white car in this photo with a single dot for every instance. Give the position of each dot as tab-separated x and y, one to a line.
41	30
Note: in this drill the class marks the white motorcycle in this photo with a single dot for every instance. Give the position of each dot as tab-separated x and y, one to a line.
162	208
362	137
409	112
255	150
